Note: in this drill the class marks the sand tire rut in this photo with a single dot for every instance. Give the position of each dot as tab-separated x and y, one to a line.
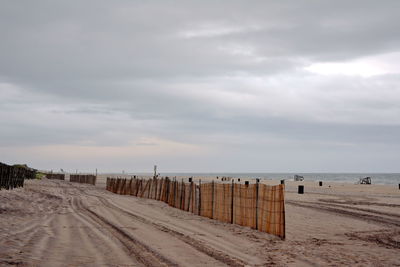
142	253
197	244
386	238
351	212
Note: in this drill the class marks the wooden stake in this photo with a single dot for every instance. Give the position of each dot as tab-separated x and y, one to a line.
257	185
167	184
232	192
190	196
212	199
182	204
200	197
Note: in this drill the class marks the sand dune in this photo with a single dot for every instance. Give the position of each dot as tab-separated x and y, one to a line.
58	223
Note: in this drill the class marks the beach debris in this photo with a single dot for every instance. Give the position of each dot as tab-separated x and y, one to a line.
366	180
320	183
298	177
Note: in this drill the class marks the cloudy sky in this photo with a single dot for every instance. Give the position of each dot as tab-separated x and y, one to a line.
206	86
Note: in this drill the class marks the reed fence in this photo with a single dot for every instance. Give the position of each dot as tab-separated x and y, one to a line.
83	178
257	205
56	176
13	176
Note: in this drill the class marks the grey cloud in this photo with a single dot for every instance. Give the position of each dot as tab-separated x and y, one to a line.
140	39
221	75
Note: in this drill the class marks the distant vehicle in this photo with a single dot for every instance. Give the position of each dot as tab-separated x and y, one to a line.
298	177
366	180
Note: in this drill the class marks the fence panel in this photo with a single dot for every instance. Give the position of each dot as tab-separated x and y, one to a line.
222	202
56	176
257	205
206	200
245	205
14	176
80	178
271	208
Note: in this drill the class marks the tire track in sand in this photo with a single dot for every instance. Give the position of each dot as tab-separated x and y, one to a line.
142	253
385	238
196	244
348	211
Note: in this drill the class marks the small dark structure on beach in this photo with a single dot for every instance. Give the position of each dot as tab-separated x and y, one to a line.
300	189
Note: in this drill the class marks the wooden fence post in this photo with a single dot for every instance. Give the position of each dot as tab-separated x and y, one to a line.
257	187
138	183
212	199
174	193
283	212
193	197
157	189
200	197
167	184
182	206
232	192
148	193
190	195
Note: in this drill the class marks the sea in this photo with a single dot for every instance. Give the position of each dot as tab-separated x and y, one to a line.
376	178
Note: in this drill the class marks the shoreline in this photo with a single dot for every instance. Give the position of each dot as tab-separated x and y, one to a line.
350	178
328	187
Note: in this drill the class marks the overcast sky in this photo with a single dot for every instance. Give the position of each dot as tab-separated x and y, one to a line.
206	86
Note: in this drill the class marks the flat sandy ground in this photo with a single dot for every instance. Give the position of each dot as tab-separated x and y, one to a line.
58	223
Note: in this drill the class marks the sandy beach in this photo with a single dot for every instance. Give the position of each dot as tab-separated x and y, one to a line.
102	101
58	223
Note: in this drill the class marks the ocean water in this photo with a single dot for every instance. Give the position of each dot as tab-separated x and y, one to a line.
377	178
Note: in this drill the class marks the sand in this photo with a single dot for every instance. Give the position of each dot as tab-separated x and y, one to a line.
58	223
